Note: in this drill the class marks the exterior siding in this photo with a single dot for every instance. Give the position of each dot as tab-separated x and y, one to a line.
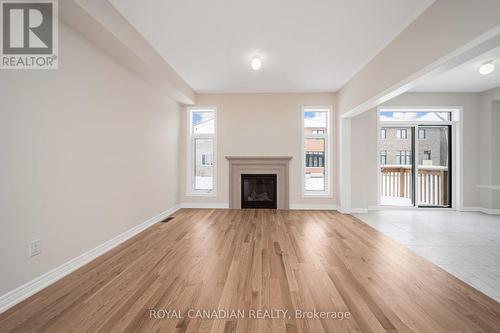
435	141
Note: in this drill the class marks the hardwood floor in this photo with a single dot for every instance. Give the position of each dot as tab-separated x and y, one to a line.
208	259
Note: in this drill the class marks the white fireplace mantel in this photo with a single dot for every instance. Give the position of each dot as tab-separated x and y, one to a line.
278	165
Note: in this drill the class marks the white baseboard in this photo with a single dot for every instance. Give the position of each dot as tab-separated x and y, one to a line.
313	207
345	210
226	206
359	210
485	210
30	288
204	205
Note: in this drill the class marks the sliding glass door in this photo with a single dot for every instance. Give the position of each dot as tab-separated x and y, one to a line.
434	169
415	154
396	147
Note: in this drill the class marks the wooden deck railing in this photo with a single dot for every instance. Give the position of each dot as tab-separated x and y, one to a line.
396	181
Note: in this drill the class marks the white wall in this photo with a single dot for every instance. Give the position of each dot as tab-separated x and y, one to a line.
495	153
102	24
364	159
87	152
260	124
489	107
364	145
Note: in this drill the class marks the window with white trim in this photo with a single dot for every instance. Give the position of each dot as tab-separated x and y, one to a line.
403	157
315	151
402	134
201	156
383	157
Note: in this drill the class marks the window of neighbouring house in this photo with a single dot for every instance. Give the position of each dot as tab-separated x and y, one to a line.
383	133
315	159
403	157
421	134
207	159
402	134
383	157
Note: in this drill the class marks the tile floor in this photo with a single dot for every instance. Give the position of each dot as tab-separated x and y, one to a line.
466	245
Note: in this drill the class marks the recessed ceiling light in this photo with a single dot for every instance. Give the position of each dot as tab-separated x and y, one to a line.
487	68
256	63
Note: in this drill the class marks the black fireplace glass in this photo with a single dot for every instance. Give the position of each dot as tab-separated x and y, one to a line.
258	191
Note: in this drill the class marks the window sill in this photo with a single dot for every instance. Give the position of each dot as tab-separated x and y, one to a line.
201	194
317	195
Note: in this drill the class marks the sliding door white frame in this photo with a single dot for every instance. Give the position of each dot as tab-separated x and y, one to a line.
457	150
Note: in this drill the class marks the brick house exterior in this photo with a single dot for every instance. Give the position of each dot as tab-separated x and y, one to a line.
315	152
397	147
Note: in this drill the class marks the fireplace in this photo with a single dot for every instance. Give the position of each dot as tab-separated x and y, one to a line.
277	166
258	191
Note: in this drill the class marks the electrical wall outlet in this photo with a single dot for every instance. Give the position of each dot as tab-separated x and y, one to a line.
35	247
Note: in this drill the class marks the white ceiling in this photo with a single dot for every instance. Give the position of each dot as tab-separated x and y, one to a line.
465	77
315	45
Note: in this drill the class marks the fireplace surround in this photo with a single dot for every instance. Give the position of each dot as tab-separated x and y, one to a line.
259	165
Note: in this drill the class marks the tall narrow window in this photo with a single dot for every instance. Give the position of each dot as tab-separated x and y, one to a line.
421	134
383	157
383	133
201	157
316	159
399	157
427	155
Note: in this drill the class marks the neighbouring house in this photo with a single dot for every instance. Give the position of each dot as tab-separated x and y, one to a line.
395	146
